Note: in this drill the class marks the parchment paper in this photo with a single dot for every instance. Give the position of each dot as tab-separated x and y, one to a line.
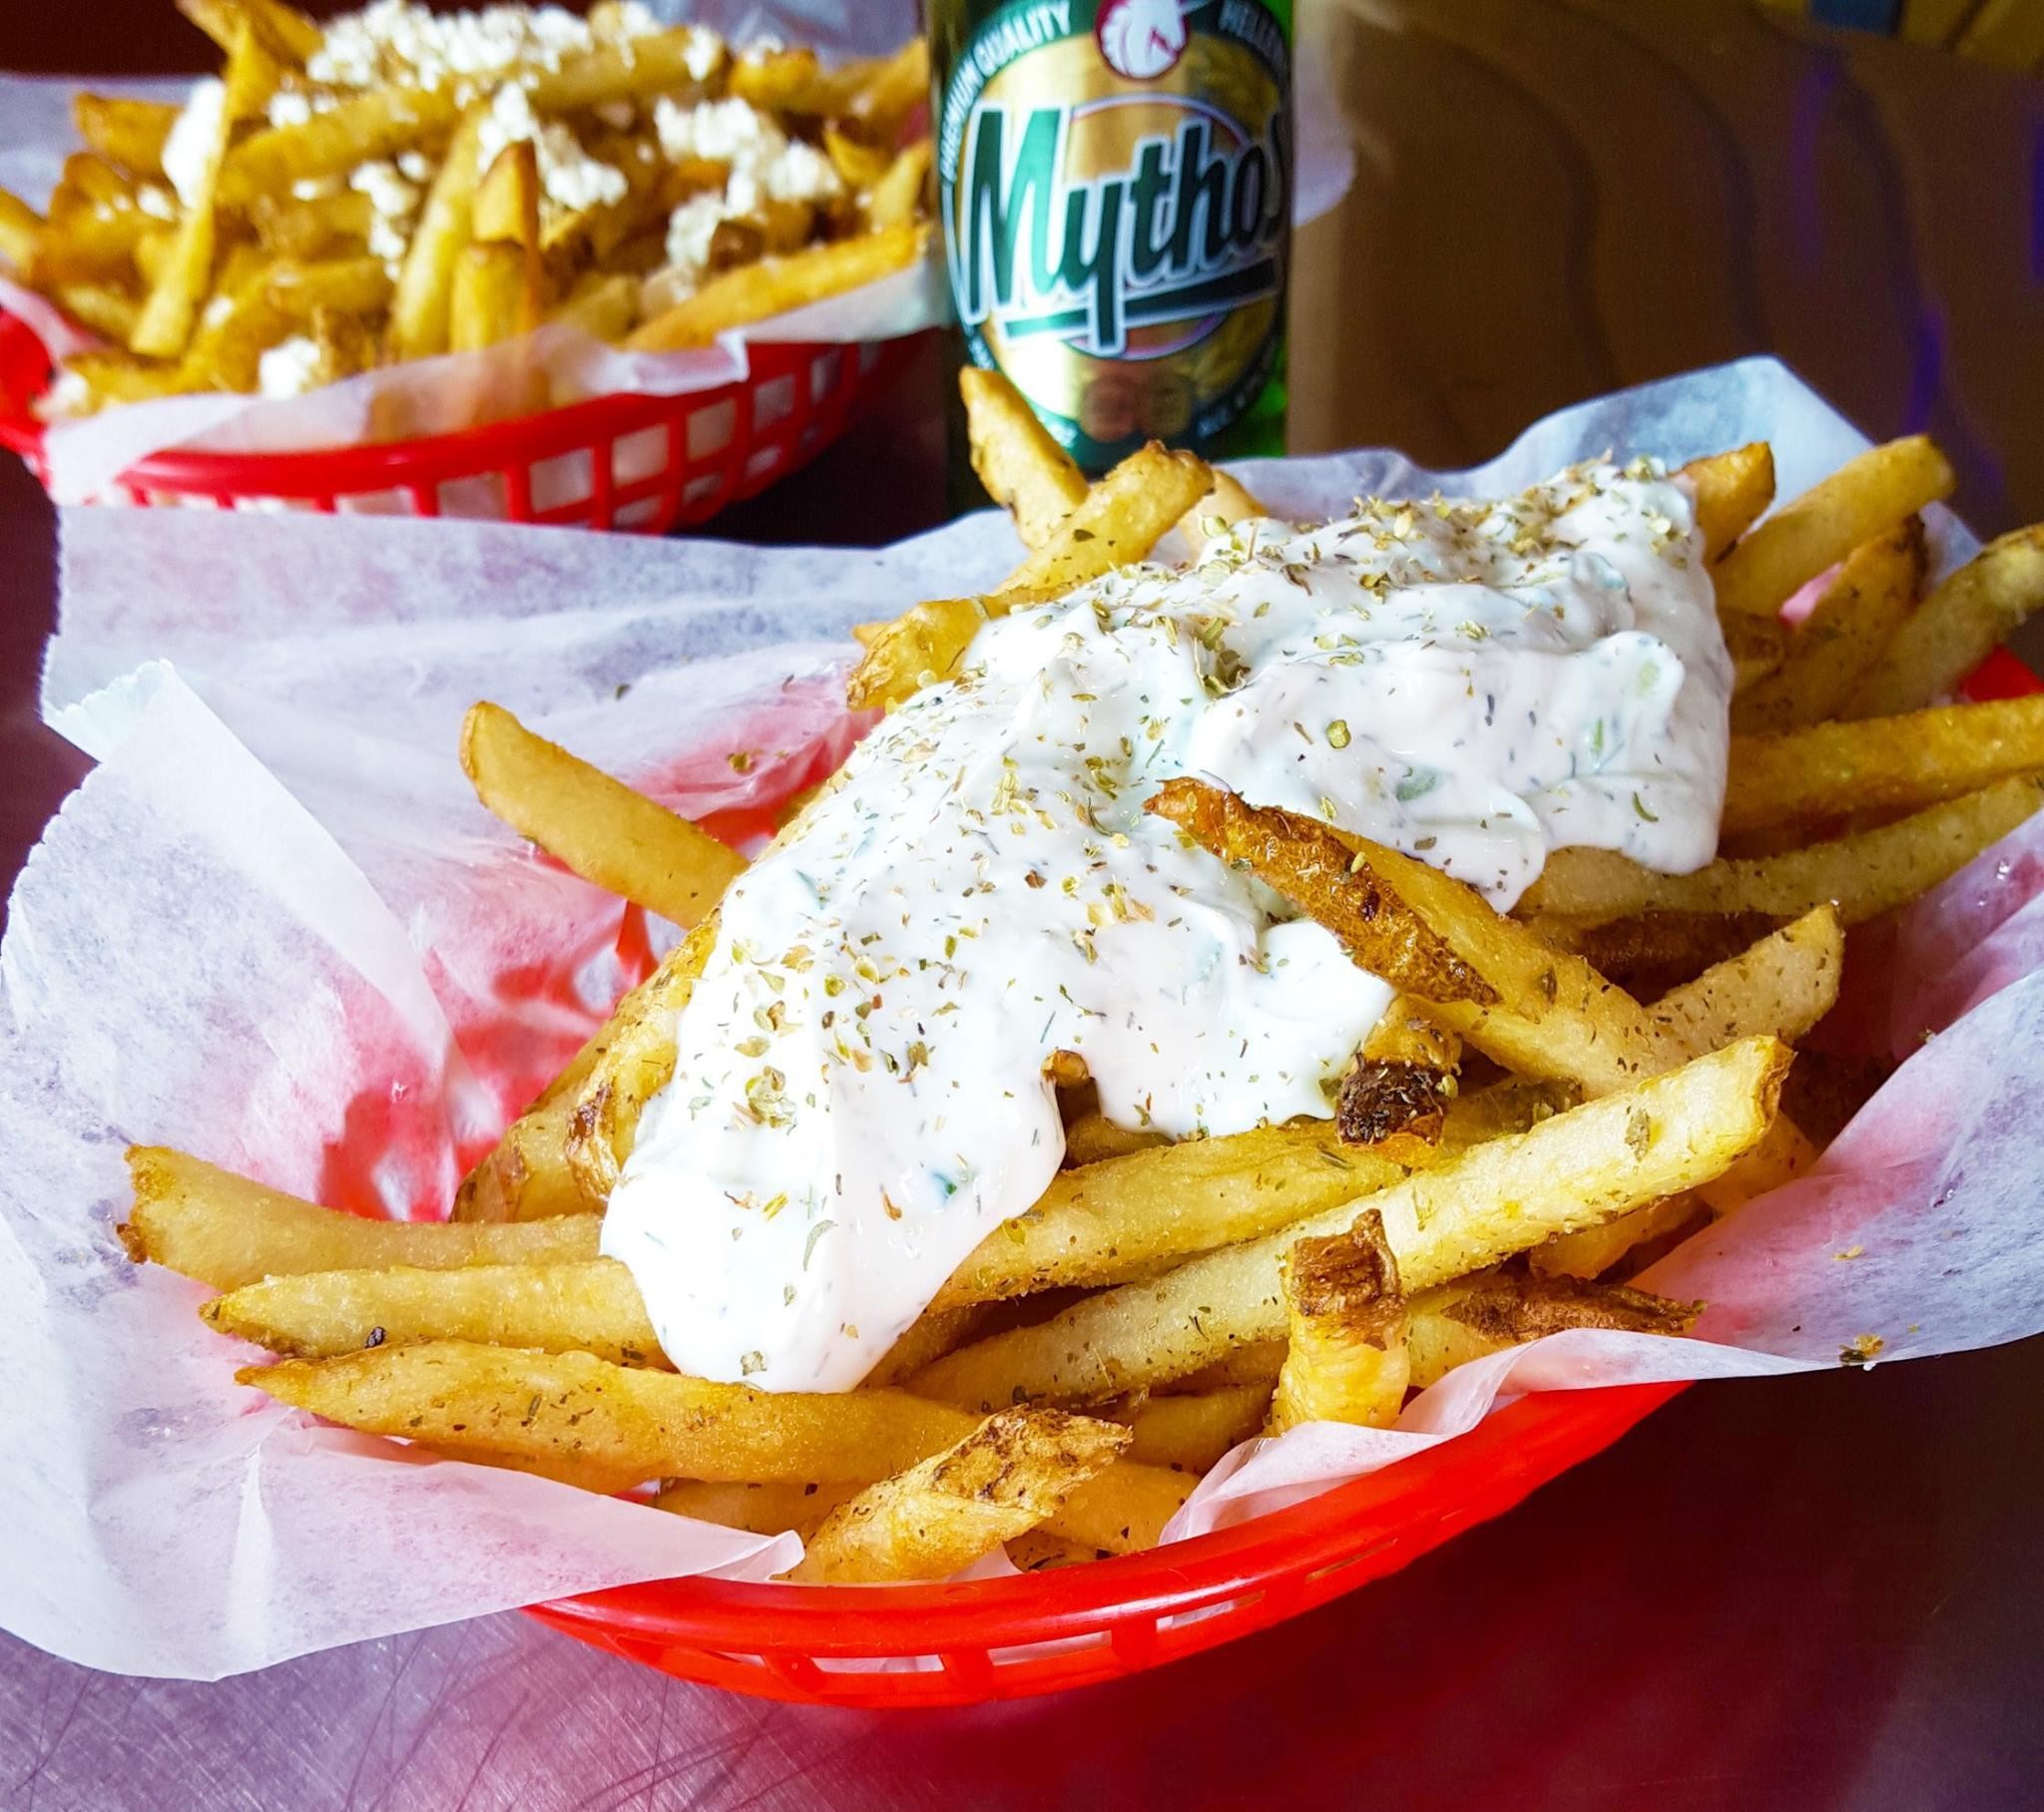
460	390
273	928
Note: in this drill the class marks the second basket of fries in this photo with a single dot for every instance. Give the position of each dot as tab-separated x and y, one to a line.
511	263
1193	1064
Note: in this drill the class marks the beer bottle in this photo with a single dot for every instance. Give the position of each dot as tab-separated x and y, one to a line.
1114	179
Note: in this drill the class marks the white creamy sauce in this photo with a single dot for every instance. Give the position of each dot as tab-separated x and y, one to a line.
859	1096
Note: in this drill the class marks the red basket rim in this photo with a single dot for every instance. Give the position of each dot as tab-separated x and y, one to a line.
25	367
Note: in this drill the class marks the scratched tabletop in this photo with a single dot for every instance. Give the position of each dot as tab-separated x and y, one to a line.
1810	1592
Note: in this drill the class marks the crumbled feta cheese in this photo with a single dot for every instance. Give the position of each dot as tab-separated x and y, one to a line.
570	178
315	188
155	201
289	368
415	166
617	115
189	149
215	312
393	204
393	39
290	107
764	165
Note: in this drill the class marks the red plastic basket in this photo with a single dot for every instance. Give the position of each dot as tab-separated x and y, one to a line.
629	462
896	1646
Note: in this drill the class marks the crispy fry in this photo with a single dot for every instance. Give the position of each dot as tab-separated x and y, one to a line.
526	1175
1538	1010
1122	518
930	1336
425	284
1110	1222
1577	1169
1464	1320
1346	1321
1957	626
285	33
1649	953
636	1059
1594	1250
765	1510
1781	984
376	123
101	307
893	87
898	198
606	307
130	134
1396	1096
1314	867
1090	1137
1023	468
610	1426
1863	875
592	1306
490	298
1758	645
1733	491
1811	777
774	285
1863	499
1836	647
1228	503
1011	1472
196	1218
611	837
1190	1432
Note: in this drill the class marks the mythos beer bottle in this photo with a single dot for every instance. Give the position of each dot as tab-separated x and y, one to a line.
1115	182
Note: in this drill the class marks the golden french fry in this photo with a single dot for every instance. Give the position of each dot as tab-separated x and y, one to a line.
609	1426
1577	1169
205	1223
1594	1250
1023	468
617	71
857	157
106	309
1957	626
122	377
1863	499
420	313
590	1307
1811	777
1395	1098
1090	1137
1344	1358
765	1510
609	835
1121	519
1781	984
1837	646
1464	1320
777	80
605	308
634	1064
774	285
1540	1012
930	1336
492	300
1758	645
1014	1470
285	33
1733	491
1190	1432
130	134
376	123
1228	503
898	198
891	88
1863	875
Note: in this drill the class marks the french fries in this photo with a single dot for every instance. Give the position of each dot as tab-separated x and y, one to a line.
1579	1168
1861	500
588	133
1538	1010
1122	519
1161	1302
1862	875
1344	1353
1014	1470
1024	471
205	1223
611	837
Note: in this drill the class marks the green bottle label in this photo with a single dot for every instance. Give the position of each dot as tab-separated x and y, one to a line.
1114	181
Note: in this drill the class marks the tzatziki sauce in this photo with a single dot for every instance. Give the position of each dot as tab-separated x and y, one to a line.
860	1092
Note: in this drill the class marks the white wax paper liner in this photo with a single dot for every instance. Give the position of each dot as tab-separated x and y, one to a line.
273	928
461	390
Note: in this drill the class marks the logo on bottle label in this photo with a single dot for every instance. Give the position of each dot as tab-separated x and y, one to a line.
1117	195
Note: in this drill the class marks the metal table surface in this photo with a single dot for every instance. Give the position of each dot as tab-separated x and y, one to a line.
1821	1591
